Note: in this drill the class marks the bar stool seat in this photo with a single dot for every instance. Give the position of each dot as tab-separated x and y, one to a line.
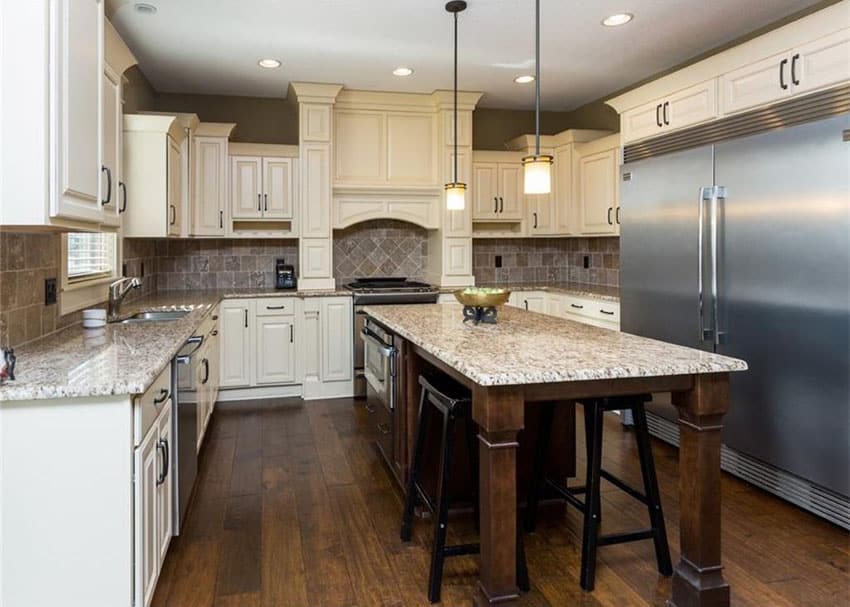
453	402
594	411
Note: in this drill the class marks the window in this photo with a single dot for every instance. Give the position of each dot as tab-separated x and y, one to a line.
90	261
90	255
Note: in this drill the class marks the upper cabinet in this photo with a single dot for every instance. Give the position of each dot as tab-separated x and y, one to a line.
51	145
804	56
385	148
809	67
153	170
597	187
112	189
676	111
263	187
210	153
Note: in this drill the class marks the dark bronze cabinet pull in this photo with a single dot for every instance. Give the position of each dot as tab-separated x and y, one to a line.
606	312
794	60
658	115
495	204
221	219
173	214
246	317
782	84
160	476
206	364
617	215
664	113
275	307
266	202
259	202
108	185
577	307
525	301
163	396
535	221
610	223
291	333
123	188
501	205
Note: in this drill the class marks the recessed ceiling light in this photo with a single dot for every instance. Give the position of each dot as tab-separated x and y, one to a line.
618	19
402	71
144	8
524	79
269	64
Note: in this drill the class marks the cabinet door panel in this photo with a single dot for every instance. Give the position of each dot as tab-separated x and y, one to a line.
275	360
79	57
359	147
823	62
564	191
511	195
277	182
756	84
597	192
165	489
410	149
336	339
692	105
642	122
147	466
210	186
246	176
111	127
485	184
235	370
175	188
540	214
314	168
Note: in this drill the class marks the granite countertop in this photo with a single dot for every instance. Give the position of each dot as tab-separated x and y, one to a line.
529	348
119	358
568	288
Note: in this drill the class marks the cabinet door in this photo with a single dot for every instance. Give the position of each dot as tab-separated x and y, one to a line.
822	63
246	177
278	188
78	57
165	487
510	191
275	358
147	468
175	188
642	122
236	320
540	214
756	84
691	106
336	320
532	301
110	150
485	184
564	191
597	193
210	186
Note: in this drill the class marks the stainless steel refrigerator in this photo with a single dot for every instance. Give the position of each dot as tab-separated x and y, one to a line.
743	247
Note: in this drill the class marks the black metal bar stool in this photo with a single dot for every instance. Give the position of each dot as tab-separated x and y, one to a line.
453	401
594	411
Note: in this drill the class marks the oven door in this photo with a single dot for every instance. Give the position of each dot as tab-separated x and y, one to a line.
379	365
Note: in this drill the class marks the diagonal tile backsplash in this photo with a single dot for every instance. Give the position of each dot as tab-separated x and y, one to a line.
380	248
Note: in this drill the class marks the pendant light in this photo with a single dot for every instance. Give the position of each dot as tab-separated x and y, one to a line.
537	168
455	191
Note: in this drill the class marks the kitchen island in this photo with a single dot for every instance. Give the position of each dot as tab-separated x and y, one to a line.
528	357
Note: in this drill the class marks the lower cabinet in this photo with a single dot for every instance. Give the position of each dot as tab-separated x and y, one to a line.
533	301
236	318
275	349
588	310
153	507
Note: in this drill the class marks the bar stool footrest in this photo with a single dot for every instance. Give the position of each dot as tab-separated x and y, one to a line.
623	486
623	538
462	549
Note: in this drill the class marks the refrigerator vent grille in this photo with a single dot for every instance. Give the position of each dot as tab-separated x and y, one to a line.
812	107
808	496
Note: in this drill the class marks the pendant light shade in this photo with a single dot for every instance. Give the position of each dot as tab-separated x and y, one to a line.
455	191
538	167
455	196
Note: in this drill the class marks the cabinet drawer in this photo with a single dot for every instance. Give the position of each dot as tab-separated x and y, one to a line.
275	306
588	307
147	407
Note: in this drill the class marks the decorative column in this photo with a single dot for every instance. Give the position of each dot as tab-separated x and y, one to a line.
450	246
315	153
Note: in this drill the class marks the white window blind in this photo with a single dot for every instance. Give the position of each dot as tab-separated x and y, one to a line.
90	255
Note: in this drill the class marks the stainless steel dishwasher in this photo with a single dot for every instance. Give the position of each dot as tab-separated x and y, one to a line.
185	466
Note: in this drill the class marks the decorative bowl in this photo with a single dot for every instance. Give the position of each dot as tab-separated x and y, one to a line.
480	299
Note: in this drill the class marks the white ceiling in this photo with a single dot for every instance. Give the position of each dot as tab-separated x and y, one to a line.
212	46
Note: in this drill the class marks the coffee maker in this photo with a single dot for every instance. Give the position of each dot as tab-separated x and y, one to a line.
284	275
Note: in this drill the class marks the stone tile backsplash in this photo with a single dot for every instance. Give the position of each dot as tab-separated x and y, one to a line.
218	262
539	260
381	247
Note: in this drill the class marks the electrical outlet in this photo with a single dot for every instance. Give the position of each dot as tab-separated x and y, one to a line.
124	270
498	261
49	291
587	261
143	269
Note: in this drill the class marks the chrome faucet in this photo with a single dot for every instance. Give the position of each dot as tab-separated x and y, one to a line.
117	292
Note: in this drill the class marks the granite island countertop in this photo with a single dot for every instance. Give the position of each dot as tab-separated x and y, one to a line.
119	358
529	348
578	289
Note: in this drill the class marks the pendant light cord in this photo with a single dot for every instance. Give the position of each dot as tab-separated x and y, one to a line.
536	78
455	109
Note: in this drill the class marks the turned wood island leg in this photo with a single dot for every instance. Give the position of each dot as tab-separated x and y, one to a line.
698	578
499	412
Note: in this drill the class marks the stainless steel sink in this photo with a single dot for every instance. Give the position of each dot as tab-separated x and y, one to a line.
155	316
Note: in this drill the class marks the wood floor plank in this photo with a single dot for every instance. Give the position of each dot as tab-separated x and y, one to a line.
294	506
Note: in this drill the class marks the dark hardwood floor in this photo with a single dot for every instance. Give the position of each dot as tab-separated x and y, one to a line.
294	508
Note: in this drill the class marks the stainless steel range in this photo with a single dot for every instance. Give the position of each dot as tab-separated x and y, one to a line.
371	291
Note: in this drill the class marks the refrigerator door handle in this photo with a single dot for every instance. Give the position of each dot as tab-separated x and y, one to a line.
718	193
704	196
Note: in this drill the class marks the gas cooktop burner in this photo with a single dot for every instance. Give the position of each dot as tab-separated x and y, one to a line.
392	290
